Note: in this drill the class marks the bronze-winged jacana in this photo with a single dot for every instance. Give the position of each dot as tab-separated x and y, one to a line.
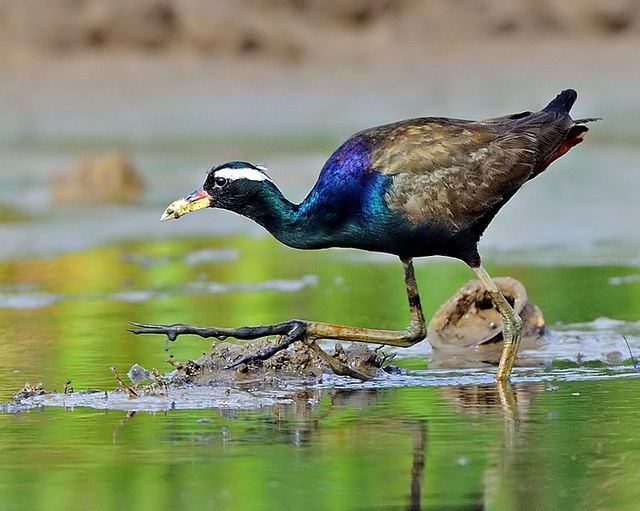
419	187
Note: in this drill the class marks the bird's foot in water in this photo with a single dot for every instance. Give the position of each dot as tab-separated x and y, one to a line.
287	333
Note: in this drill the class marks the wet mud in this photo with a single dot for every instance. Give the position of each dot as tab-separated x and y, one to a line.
299	361
207	382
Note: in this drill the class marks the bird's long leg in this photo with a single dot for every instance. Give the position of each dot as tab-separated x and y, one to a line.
415	331
511	324
295	329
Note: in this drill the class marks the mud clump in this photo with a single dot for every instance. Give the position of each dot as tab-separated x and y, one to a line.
29	391
364	360
106	178
299	362
469	319
205	382
468	326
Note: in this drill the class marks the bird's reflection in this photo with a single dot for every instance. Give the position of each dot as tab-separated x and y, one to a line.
513	402
302	421
513	405
417	468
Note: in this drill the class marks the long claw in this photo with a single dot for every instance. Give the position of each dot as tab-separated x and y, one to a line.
261	356
171	331
296	333
152	325
150	328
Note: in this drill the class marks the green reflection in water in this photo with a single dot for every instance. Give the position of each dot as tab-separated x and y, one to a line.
573	448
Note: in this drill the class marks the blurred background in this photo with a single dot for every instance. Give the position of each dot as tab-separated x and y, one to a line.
129	103
111	109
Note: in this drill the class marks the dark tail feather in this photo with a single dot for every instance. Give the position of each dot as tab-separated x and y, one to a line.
577	129
586	120
563	102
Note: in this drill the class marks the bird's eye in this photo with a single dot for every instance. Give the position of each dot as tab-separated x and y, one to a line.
220	181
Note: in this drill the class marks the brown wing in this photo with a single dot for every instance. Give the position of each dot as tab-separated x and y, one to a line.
458	173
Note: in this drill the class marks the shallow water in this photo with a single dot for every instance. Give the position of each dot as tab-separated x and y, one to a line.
66	317
429	439
568	446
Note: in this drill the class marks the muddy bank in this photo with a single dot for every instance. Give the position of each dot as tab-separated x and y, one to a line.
162	70
293	29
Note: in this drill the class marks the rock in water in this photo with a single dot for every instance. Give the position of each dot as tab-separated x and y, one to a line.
137	374
468	320
107	178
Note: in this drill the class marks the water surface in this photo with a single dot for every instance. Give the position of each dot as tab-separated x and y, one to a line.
560	441
569	446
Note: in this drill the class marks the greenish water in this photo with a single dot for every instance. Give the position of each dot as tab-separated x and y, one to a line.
66	317
572	448
548	445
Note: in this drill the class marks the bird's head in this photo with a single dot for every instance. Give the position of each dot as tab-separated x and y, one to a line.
229	186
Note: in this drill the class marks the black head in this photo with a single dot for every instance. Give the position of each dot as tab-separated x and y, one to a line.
232	186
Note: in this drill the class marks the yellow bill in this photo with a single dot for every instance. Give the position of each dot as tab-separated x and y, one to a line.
196	200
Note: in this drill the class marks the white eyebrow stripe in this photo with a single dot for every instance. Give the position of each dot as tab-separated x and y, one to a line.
242	173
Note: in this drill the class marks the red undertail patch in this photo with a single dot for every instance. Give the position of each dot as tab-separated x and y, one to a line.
574	137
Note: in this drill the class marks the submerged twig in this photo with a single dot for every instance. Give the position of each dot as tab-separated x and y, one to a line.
160	380
633	359
130	391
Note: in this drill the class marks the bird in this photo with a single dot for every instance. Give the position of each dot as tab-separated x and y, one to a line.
419	187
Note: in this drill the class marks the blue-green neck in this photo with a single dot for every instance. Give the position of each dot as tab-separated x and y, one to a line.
289	223
345	208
